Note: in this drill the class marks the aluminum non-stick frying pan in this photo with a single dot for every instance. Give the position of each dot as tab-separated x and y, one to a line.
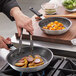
14	56
45	21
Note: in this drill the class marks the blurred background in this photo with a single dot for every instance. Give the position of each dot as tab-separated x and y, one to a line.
7	27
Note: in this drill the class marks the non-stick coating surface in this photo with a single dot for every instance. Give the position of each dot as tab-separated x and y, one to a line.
65	21
13	57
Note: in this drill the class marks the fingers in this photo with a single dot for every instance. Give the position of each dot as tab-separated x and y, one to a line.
29	29
4	45
24	22
19	31
6	41
28	26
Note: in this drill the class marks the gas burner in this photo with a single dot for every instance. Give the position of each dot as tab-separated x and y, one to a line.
49	70
61	65
42	73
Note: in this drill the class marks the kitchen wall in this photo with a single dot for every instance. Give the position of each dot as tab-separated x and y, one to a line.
8	28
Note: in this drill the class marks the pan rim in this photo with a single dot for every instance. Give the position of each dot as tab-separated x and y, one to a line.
56	17
46	21
33	67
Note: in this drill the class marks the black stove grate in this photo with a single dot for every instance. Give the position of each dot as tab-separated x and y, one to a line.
67	68
65	73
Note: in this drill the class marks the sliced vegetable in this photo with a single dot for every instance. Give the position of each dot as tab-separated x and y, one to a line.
30	58
21	61
39	64
30	62
37	60
19	64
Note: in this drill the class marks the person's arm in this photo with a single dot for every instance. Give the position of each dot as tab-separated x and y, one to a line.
7	5
12	10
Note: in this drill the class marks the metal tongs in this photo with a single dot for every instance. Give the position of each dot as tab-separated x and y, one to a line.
31	43
20	41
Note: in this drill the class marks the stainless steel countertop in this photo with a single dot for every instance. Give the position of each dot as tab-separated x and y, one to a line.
48	45
3	54
2	62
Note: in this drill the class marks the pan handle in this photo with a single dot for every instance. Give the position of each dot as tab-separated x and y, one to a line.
35	12
11	46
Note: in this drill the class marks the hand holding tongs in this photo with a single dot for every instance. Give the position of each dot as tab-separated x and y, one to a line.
20	40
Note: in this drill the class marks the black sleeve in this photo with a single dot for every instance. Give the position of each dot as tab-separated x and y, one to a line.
7	5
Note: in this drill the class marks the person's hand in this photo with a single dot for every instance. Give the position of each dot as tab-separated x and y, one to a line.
22	21
25	22
4	41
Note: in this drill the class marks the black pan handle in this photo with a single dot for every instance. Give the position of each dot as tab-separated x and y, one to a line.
35	12
10	45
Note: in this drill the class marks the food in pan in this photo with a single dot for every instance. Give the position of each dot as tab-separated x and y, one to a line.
30	61
54	26
30	58
20	64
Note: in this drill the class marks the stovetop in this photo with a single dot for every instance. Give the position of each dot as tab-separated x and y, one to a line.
61	65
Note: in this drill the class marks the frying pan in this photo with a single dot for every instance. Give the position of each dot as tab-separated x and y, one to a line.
15	55
65	21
